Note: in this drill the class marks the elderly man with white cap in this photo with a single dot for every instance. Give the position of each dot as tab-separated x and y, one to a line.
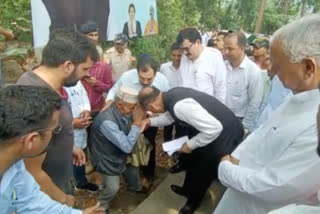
114	133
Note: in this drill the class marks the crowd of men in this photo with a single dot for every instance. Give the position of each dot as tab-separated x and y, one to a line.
250	121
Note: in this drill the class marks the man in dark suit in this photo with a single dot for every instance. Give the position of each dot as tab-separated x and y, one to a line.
213	132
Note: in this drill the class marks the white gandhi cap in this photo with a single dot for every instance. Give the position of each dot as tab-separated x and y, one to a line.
128	95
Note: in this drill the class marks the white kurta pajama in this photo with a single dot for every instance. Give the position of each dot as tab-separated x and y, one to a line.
278	162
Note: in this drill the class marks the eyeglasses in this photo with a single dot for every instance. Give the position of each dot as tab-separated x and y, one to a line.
187	49
55	131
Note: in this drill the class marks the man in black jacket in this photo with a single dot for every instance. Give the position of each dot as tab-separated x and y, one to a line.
213	131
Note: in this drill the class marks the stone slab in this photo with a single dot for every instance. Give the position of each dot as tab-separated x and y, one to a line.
164	201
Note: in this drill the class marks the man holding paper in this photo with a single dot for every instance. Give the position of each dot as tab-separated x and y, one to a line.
212	128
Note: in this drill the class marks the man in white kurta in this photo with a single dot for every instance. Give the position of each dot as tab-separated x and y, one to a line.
278	162
297	209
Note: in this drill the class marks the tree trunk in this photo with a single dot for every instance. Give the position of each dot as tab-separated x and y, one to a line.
303	7
286	7
260	16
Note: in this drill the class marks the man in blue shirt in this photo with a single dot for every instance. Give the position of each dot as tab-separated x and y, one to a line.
29	117
146	74
113	135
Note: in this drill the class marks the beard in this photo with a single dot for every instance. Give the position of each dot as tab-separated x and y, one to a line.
71	80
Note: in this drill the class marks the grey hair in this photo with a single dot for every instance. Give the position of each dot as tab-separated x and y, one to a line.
300	38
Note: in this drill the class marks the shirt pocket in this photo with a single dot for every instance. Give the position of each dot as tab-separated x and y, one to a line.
274	143
203	80
238	86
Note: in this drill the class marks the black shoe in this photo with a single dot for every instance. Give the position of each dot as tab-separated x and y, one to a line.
188	208
178	190
89	186
176	168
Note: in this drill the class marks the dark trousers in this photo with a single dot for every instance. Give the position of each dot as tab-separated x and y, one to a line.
149	170
79	174
168	132
202	165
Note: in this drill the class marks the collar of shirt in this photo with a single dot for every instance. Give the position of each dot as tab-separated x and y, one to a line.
131	77
172	67
64	94
202	56
9	175
135	78
306	96
125	52
243	65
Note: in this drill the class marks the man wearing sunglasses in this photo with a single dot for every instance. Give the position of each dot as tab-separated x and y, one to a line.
29	118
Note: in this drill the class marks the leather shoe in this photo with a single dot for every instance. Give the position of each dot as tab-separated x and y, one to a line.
188	208
176	168
178	190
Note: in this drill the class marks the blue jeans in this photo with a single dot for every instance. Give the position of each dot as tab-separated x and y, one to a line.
111	185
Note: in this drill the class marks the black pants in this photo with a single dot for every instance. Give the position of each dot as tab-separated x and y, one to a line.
168	135
202	165
149	170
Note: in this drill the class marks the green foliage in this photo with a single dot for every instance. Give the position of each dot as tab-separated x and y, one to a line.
16	16
174	15
14	52
171	20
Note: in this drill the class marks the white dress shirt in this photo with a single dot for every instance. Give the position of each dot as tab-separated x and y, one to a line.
131	79
245	89
206	74
79	102
171	73
208	126
278	162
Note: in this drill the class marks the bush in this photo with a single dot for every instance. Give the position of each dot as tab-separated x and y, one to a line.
15	15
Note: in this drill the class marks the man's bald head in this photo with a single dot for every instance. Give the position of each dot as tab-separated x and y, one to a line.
150	98
147	95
